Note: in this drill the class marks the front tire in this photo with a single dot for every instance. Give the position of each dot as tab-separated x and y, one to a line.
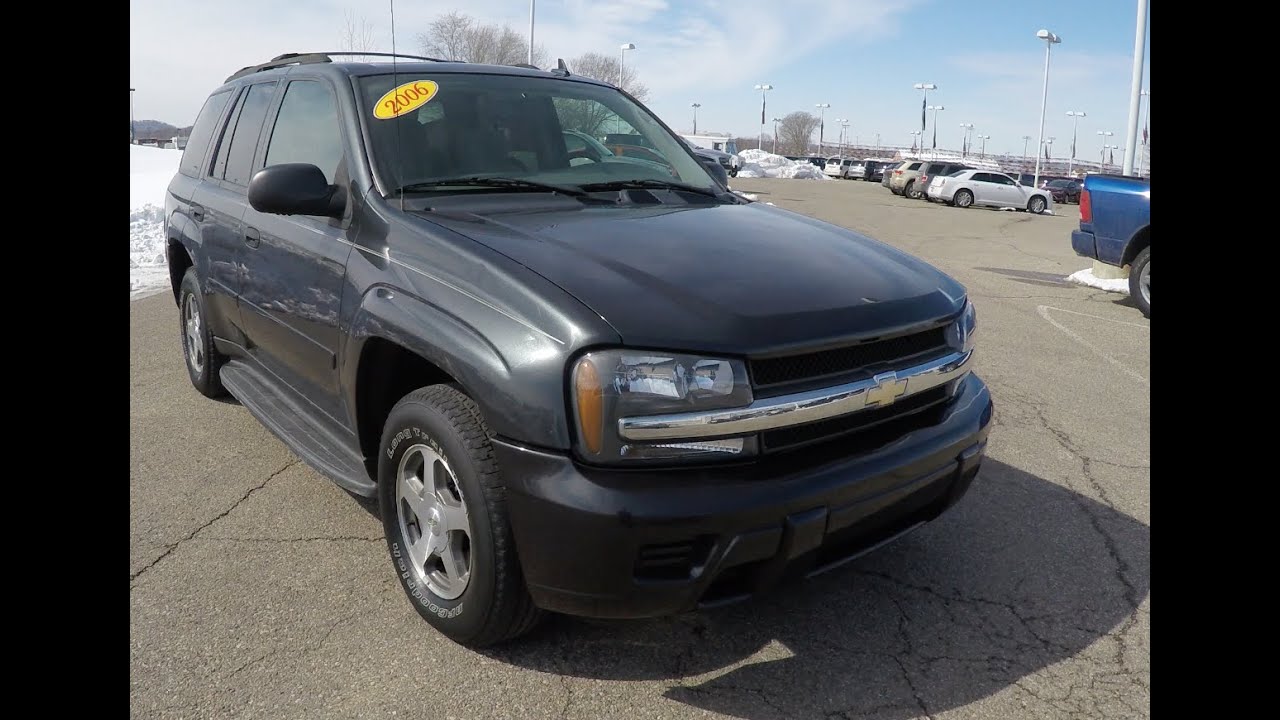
202	359
1036	205
1140	281
444	513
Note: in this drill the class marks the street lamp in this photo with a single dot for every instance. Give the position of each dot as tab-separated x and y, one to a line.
1104	134
1075	116
984	139
775	135
764	88
924	88
935	109
964	147
1026	140
915	135
133	134
843	123
695	107
531	4
1049	41
622	61
1105	148
1142	149
822	109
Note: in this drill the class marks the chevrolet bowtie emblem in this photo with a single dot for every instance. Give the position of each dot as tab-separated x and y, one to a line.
887	389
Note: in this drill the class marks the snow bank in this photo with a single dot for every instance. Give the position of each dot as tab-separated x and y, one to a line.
150	170
758	164
1087	278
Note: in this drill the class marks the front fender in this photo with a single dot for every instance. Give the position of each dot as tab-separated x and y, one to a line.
519	387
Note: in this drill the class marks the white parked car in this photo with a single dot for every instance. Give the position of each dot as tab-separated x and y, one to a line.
835	167
984	187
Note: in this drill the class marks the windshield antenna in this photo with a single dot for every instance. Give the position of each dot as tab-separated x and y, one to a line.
395	83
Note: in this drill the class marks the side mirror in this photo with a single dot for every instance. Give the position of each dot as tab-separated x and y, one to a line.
717	170
295	189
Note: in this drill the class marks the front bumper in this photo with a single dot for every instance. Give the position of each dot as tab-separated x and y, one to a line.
629	543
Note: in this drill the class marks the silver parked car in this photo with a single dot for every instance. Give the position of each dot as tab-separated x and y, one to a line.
984	187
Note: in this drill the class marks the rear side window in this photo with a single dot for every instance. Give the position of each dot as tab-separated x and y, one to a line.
244	140
201	132
982	177
306	129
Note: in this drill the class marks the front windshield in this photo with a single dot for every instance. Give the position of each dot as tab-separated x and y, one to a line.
539	130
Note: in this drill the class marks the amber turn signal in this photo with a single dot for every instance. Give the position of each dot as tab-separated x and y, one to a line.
590	402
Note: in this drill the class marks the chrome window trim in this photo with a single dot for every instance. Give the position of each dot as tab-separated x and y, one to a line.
800	408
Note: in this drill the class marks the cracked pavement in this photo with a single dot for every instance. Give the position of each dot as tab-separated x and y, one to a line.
259	589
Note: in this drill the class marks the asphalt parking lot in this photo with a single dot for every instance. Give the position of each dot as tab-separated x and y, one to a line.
260	589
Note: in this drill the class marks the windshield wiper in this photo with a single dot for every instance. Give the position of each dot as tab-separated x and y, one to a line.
647	183
493	182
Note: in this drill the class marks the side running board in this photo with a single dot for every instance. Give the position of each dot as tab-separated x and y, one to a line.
317	447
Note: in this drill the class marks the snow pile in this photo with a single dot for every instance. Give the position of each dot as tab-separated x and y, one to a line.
150	170
758	164
1087	278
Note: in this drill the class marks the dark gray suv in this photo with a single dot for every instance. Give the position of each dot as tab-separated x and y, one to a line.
575	382
930	170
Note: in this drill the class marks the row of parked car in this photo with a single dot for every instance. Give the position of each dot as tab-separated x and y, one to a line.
961	185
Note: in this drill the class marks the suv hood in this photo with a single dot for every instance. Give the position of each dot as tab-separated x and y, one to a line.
737	279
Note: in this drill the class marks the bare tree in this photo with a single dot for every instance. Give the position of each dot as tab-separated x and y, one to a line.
794	132
605	68
357	34
459	37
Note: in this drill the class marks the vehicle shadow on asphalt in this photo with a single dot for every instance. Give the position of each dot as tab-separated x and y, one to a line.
1020	575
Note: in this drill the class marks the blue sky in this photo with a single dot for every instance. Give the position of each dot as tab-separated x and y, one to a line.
861	56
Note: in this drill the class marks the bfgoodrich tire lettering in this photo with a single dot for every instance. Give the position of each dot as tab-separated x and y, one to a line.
492	605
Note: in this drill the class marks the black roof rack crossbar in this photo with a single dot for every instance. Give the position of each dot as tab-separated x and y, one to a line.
317	57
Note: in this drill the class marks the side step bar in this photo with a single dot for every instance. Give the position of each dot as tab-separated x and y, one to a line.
328	455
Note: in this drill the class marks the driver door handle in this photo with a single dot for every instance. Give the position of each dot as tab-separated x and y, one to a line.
252	237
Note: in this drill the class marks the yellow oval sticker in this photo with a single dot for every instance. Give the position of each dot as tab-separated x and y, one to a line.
405	99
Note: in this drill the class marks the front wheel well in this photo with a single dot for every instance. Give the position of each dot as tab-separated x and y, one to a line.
386	373
1141	241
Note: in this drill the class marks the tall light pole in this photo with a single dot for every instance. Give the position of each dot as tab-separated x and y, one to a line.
843	123
1142	151
1135	86
984	139
1049	41
764	88
1105	148
622	61
775	134
964	147
822	109
924	88
1026	140
934	144
1104	134
695	107
133	134
877	144
531	5
916	135
1075	116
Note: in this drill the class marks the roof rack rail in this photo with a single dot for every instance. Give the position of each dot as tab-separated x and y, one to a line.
317	57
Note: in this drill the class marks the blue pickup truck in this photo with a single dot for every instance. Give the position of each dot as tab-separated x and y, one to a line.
1115	228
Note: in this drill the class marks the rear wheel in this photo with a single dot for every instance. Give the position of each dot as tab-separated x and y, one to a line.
1037	205
910	189
1140	281
963	198
203	359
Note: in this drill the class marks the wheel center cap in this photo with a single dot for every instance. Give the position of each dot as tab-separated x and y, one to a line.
434	522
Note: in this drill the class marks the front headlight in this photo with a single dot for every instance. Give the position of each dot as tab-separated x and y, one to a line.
610	384
960	332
